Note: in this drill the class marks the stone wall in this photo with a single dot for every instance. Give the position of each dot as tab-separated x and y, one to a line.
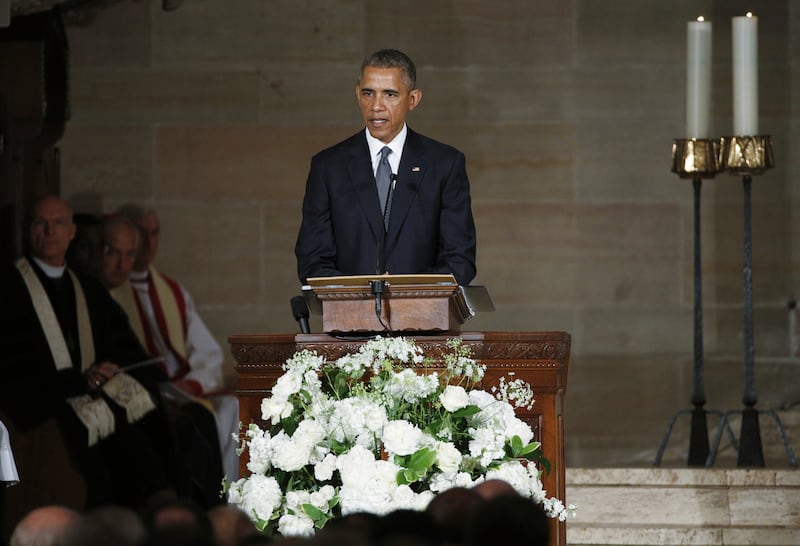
566	111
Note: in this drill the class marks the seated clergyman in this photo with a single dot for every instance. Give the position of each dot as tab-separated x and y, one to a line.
65	346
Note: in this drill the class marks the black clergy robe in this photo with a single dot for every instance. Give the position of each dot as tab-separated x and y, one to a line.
136	460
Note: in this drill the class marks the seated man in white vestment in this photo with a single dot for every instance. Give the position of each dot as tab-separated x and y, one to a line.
164	317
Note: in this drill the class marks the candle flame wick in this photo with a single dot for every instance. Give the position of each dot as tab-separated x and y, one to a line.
749	14
700	18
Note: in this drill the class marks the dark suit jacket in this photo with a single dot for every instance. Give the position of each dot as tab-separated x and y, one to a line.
431	229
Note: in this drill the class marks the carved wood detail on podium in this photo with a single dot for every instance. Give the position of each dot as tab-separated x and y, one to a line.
540	358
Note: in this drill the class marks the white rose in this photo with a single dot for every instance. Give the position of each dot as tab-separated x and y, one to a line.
274	409
454	398
448	457
287	384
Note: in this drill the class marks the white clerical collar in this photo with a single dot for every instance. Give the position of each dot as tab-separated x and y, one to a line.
396	145
52	271
139	276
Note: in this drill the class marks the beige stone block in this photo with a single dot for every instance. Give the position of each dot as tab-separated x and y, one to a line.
788	478
678	507
770	330
138	97
570	254
475	95
107	160
615	159
749	477
309	94
765	507
514	162
212	249
639	536
202	34
239	162
633	92
636	330
600	390
514	32
651	32
508	317
115	35
761	536
647	476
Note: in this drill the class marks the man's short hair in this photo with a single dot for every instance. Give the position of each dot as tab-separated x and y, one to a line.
119	219
392	58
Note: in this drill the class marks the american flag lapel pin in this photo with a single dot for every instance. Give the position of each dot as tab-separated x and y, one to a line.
414	169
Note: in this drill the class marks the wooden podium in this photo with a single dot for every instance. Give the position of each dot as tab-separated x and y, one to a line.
409	303
540	358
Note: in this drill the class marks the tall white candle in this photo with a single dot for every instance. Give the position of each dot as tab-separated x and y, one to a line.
745	75
698	79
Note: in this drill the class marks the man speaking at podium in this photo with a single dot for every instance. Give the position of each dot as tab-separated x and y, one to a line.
387	199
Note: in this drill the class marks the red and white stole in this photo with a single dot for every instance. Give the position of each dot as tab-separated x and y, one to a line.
169	309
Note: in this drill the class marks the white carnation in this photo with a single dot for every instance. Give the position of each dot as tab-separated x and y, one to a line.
289	455
260	453
401	437
295	525
323	470
260	496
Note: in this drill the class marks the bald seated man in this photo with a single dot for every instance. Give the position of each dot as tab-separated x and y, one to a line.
120	248
44	526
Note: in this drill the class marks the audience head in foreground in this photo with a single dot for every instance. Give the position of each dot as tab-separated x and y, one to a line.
45	526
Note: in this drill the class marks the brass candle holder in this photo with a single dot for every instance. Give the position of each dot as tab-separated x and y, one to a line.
696	158
746	155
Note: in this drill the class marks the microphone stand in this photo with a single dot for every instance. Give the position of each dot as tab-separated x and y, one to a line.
379	286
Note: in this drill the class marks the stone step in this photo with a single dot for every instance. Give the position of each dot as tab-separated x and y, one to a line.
684	506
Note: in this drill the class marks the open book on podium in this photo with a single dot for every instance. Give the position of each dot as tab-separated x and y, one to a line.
409	303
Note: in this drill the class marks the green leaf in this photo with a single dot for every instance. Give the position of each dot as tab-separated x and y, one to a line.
315	514
516	445
530	448
422	459
466	411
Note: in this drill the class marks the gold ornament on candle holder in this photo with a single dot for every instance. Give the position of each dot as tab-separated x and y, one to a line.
696	157
743	155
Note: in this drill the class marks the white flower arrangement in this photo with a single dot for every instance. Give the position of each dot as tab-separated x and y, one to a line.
381	430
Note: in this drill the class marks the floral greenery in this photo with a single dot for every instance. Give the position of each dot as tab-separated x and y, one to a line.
380	430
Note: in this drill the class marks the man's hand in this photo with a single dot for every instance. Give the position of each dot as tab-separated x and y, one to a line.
99	373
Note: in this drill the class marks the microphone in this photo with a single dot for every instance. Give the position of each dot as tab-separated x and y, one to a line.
378	286
300	312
